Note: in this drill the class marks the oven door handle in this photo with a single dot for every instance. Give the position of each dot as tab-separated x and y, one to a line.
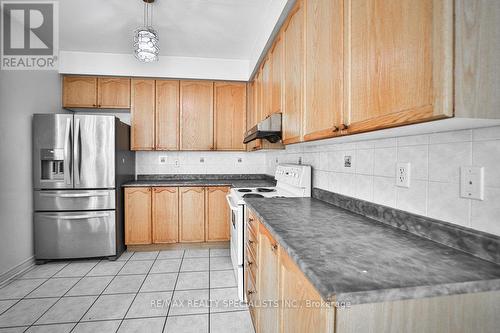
230	203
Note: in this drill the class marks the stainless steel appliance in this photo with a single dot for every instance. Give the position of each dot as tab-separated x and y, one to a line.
269	129
80	162
292	181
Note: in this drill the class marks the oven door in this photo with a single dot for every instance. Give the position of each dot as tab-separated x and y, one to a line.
236	225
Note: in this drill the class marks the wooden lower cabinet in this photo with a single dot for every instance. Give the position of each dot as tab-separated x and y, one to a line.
137	215
192	214
216	214
165	215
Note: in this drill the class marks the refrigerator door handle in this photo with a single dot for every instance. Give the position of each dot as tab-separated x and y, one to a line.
75	195
76	217
78	151
68	164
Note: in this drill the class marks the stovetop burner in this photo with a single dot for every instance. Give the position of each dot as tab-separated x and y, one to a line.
244	190
253	195
265	190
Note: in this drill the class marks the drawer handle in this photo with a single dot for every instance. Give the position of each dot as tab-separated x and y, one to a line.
274	247
250	241
251	219
250	292
249	263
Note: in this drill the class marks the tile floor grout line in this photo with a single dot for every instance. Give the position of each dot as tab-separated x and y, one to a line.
20	299
50	307
91	305
175	286
138	290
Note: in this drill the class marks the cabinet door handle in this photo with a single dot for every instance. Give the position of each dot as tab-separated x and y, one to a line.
250	241
249	263
251	219
335	129
343	127
274	247
250	292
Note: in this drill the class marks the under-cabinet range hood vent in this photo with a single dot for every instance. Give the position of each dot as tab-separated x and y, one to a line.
269	129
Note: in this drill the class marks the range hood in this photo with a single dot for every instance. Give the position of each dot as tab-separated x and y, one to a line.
269	129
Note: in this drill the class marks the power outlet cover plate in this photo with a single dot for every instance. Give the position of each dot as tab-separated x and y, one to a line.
472	182
403	175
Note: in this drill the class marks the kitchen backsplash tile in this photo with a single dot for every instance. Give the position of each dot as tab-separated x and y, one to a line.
435	161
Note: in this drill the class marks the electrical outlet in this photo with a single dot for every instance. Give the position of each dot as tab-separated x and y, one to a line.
177	164
240	160
472	182
202	159
347	161
162	159
300	161
403	175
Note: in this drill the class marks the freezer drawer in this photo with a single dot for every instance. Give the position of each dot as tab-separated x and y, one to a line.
74	200
74	234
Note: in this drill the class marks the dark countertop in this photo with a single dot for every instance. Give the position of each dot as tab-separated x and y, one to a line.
243	180
351	258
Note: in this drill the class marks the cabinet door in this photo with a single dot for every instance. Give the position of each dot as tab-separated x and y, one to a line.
192	214
230	115
323	95
137	215
398	62
217	214
167	115
267	280
165	215
197	115
80	91
142	114
251	112
276	74
113	92
296	289
266	88
293	75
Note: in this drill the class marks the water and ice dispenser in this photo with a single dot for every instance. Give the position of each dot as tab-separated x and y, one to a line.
52	164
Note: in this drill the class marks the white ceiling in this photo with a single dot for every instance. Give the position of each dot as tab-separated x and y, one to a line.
225	29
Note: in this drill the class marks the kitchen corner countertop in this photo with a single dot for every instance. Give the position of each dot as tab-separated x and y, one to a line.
352	258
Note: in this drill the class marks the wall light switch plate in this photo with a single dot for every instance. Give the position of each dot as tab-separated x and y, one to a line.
472	182
162	159
403	175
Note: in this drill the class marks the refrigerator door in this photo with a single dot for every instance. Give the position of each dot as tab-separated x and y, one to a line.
52	151
63	200
74	234
94	151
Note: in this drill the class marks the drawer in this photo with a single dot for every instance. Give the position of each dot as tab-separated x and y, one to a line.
251	263
252	241
251	292
253	222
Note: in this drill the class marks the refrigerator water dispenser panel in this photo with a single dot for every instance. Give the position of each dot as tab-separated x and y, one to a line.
52	164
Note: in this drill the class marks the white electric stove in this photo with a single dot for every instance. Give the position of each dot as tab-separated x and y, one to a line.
291	181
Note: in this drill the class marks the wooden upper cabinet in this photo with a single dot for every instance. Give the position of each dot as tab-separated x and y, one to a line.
268	281
266	92
399	62
323	88
217	214
294	287
230	115
197	115
167	115
293	68
137	215
192	214
142	114
80	91
113	93
165	215
276	75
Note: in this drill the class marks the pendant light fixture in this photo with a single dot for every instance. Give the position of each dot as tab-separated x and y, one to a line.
146	42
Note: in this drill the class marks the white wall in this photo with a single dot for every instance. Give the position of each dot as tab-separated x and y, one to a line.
22	93
435	160
190	163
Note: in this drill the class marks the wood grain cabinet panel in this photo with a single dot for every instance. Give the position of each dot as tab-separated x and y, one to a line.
276	75
323	95
79	91
137	215
113	92
217	214
197	115
192	214
293	69
230	115
267	282
165	215
142	114
266	87
167	115
398	57
296	289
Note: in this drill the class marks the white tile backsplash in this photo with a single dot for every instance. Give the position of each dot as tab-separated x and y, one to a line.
435	161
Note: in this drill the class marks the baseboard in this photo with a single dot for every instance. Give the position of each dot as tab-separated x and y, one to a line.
17	270
178	246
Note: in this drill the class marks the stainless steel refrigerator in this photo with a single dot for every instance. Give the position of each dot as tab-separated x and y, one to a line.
80	162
